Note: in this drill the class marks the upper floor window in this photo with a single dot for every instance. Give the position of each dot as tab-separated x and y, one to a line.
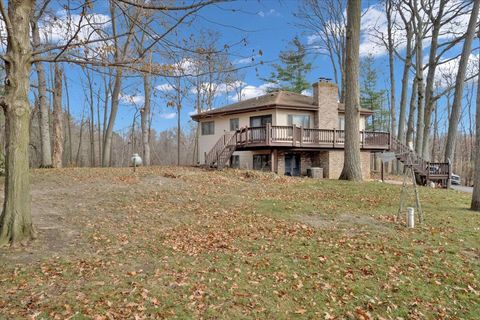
260	121
208	128
299	120
234	125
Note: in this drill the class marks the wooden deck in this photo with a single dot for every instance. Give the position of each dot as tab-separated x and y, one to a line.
303	138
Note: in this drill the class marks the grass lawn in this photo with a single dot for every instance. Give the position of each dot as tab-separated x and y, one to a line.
188	243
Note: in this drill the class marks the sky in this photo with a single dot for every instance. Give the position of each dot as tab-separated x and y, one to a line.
267	25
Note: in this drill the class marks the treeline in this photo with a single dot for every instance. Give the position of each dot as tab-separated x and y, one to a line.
427	56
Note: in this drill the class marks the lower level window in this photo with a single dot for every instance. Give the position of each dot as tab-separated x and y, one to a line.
262	162
235	161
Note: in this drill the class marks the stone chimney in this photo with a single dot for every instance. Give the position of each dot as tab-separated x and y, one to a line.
325	96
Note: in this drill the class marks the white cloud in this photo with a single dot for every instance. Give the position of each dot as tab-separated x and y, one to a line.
246	60
269	13
63	26
132	99
218	88
168	115
250	91
164	87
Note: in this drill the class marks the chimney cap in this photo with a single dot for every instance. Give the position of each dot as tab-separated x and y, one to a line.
324	79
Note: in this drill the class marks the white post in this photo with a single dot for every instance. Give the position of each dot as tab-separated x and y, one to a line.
410	218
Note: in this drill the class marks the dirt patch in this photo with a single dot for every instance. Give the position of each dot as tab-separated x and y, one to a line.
66	209
346	222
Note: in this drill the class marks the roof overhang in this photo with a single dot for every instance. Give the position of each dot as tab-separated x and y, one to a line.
220	113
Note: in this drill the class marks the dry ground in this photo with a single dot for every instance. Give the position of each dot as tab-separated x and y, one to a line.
188	243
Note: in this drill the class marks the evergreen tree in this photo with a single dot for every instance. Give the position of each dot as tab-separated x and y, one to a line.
291	75
371	97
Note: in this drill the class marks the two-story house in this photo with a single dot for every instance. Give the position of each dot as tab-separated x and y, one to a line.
284	132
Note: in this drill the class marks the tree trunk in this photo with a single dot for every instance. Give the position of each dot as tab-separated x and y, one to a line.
145	116
80	140
351	167
435	135
179	132
99	130
391	64
16	221
475	205
405	78
69	123
92	120
57	120
46	149
432	66
107	144
411	113
393	119
420	85
460	82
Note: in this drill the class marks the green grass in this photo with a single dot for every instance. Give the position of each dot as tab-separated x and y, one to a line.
236	245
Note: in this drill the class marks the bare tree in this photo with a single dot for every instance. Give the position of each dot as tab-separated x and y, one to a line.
145	118
475	205
460	81
120	53
438	17
351	167
16	221
44	123
57	154
326	19
389	9
406	74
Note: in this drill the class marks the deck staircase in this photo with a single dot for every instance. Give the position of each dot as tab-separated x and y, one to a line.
425	171
220	154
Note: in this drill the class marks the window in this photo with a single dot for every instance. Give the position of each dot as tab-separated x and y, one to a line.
235	161
299	120
261	162
341	122
234	124
260	121
208	128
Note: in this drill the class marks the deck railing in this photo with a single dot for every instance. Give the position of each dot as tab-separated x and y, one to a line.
307	137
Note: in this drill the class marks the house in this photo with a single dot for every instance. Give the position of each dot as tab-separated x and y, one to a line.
284	132
288	133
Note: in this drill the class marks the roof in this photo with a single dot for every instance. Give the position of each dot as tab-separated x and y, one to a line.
279	99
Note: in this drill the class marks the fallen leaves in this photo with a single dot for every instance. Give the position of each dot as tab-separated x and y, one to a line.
183	243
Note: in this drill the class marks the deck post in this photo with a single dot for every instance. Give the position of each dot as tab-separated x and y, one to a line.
362	135
294	135
301	135
382	169
334	136
268	133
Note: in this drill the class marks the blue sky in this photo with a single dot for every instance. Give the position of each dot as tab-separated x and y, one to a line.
268	25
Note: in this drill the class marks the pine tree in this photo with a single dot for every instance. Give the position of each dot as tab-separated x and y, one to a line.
292	75
371	97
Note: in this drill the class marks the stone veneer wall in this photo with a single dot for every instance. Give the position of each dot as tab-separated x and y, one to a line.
305	162
330	161
335	164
